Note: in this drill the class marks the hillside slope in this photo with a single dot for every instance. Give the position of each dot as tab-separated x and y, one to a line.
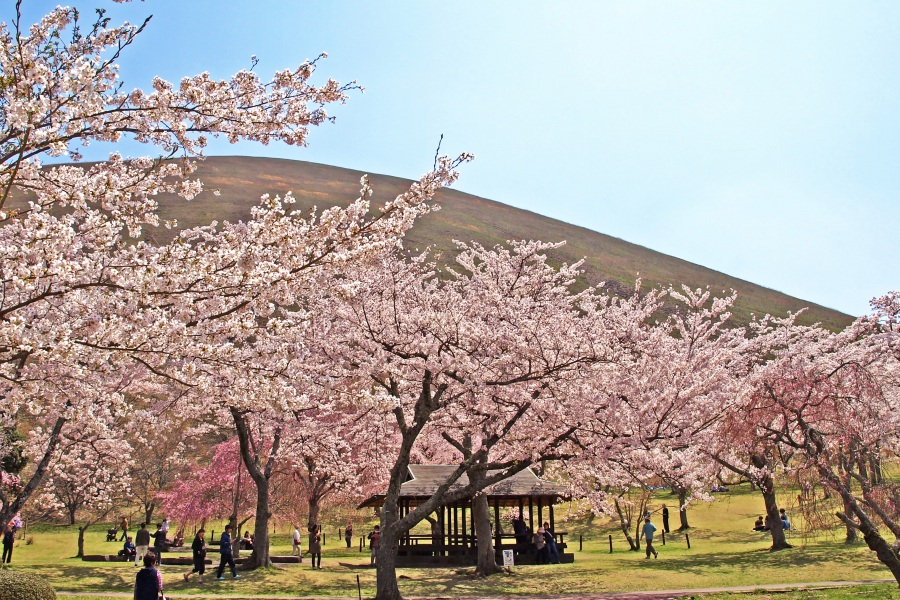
242	180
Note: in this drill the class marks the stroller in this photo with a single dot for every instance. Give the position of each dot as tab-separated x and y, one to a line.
111	534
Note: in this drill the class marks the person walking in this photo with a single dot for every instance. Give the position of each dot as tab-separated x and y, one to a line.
665	513
348	533
295	544
141	544
159	544
315	550
226	550
123	525
648	531
148	583
374	539
198	548
9	540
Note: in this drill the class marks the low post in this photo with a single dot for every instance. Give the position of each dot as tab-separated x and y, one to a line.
610	543
360	543
688	538
664	538
358	588
580	542
323	537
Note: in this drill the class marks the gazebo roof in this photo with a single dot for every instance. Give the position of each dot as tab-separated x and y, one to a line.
423	480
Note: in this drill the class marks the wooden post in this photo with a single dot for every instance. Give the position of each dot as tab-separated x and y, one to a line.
610	543
465	539
540	512
664	537
499	539
688	539
360	543
552	520
580	542
531	514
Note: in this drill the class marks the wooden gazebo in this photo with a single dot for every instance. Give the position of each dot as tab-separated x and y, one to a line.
452	537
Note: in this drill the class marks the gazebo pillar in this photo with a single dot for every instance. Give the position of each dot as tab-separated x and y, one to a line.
498	537
552	521
531	514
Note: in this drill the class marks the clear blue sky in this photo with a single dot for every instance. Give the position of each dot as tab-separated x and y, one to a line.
760	139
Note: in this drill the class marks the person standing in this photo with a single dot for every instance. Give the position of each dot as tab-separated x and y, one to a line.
315	550
123	525
295	541
9	540
552	549
541	552
141	544
198	548
148	584
665	513
226	550
159	544
165	525
348	533
648	531
374	539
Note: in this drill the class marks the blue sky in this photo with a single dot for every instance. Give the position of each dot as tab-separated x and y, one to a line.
760	139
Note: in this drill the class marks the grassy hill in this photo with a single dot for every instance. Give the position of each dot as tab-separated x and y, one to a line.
242	180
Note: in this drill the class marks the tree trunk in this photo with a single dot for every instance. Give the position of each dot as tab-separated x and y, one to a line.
386	558
259	557
682	511
9	509
487	557
148	513
81	531
72	515
851	530
313	521
625	524
767	487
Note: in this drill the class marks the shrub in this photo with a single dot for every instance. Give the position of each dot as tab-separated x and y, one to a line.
15	585
29	540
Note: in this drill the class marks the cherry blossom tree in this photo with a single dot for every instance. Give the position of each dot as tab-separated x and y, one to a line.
832	401
70	267
482	351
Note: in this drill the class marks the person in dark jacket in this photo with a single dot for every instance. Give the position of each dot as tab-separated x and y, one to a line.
141	544
198	548
128	550
226	551
552	549
159	544
148	584
9	539
315	550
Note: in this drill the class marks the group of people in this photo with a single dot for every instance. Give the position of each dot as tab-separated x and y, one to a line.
766	524
543	540
137	547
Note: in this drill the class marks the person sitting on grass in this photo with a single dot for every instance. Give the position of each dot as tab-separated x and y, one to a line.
758	524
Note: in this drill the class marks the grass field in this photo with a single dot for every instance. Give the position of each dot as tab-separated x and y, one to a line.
724	553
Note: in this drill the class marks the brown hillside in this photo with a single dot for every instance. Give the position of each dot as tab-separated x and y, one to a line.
242	180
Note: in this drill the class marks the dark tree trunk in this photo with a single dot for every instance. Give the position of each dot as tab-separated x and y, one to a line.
313	516
81	531
386	559
487	557
148	513
259	557
682	511
9	508
625	524
767	487
71	512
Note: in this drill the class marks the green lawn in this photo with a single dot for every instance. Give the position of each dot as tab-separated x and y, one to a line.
724	553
